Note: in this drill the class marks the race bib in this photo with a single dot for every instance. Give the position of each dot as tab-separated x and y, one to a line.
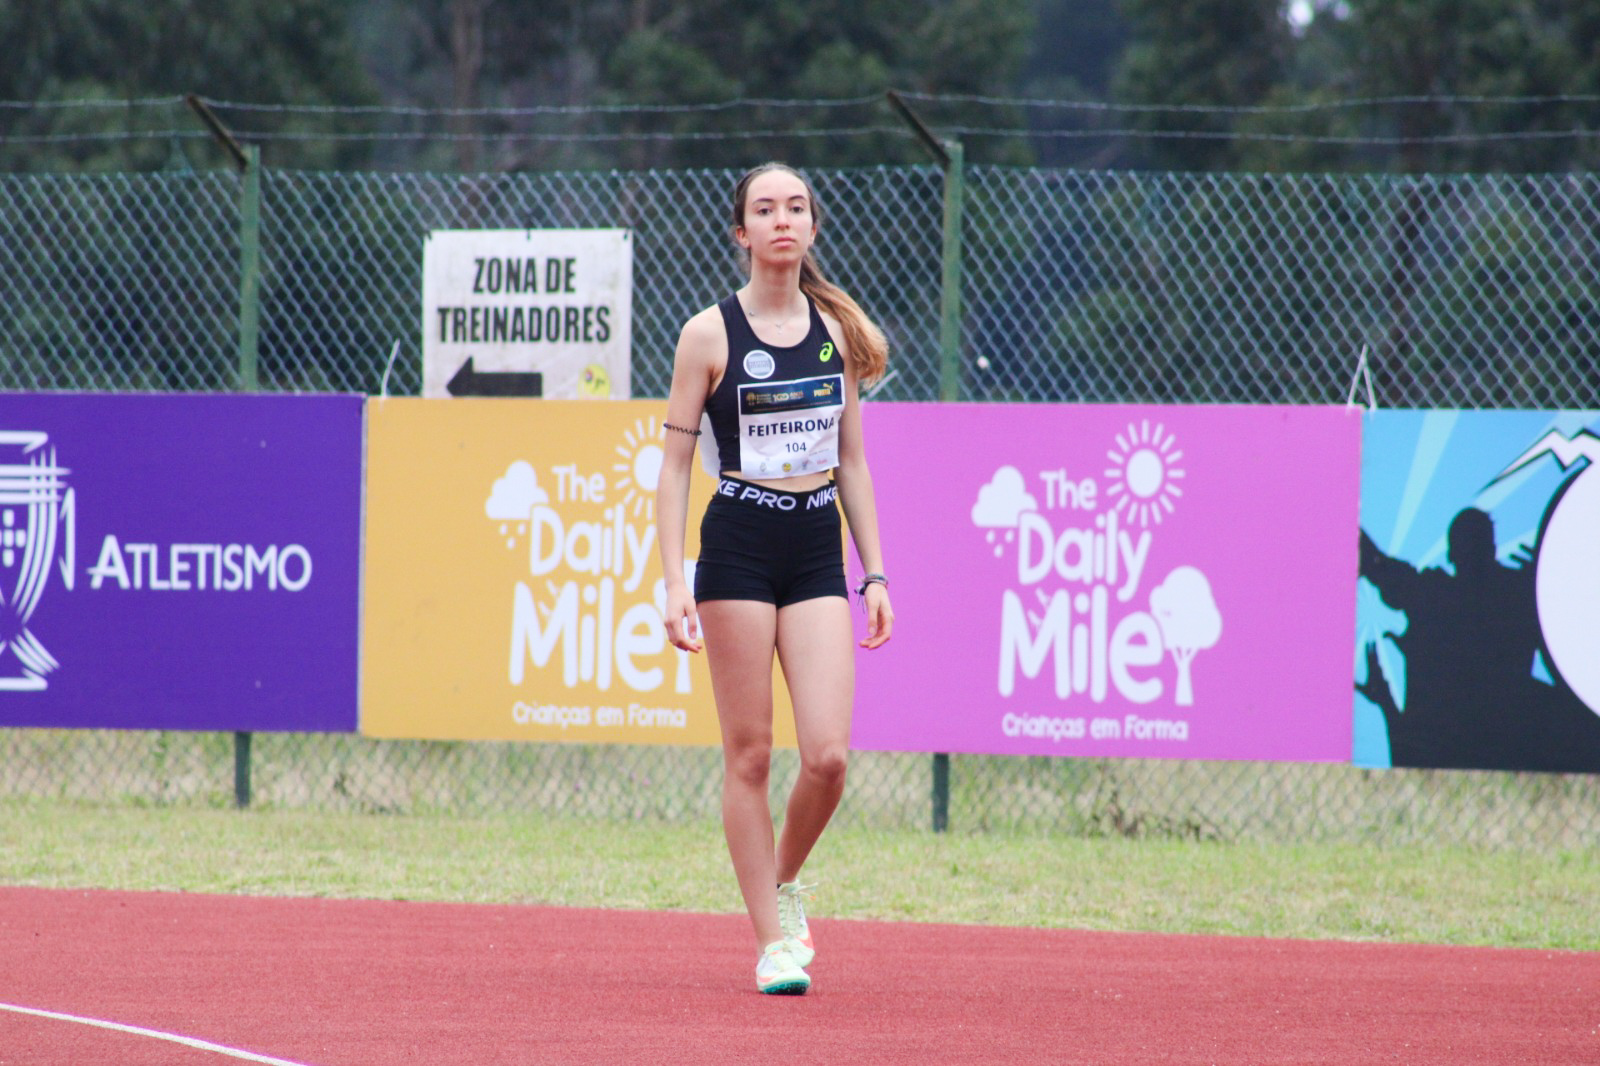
788	428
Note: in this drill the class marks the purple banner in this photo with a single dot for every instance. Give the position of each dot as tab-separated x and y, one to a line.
179	562
1170	582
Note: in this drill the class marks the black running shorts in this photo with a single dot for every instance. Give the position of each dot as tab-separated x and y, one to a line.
769	545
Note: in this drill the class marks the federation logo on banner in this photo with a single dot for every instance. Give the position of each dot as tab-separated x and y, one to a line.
37	536
1082	612
179	561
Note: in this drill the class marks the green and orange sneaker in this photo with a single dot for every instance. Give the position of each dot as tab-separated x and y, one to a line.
792	919
778	974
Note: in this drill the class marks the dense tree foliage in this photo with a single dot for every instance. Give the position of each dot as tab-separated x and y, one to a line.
677	53
500	85
1219	53
1464	85
281	51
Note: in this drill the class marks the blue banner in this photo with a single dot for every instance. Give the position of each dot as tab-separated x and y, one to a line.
1478	611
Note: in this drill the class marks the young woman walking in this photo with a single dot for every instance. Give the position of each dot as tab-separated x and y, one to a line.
767	381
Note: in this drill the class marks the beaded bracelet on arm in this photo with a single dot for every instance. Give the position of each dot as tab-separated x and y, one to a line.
680	429
871	579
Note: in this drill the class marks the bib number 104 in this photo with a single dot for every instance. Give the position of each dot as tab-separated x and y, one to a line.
795	447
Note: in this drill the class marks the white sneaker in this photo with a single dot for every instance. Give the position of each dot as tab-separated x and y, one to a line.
778	974
792	920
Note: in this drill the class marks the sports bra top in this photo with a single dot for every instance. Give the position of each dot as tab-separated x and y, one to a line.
776	411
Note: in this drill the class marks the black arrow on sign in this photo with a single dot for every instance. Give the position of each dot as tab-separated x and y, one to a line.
468	382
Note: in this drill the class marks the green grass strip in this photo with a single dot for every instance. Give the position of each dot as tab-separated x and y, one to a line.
1443	895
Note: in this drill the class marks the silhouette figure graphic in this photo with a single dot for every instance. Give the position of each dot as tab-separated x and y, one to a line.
1471	634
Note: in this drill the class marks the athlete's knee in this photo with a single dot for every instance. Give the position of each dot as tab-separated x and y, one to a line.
748	763
826	764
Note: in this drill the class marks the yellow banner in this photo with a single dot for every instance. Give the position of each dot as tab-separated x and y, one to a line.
513	583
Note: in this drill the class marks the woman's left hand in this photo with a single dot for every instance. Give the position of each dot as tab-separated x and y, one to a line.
880	617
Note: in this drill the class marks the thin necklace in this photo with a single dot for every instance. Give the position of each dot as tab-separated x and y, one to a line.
778	325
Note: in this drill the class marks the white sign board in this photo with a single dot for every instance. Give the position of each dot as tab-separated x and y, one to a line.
527	312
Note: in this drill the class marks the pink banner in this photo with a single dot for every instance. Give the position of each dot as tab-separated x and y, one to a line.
1169	582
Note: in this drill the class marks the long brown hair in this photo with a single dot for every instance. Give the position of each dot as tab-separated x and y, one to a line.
869	349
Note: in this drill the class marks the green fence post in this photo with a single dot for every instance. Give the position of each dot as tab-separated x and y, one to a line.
949	379
950	279
952	157
241	770
250	269
247	157
249	378
941	792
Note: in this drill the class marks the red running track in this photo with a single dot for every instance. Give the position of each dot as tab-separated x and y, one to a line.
370	983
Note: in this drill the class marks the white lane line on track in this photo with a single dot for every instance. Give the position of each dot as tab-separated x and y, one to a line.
154	1034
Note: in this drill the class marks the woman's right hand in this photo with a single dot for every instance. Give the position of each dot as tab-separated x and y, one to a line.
682	620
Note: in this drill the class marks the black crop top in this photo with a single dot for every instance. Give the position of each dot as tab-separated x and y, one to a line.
776	411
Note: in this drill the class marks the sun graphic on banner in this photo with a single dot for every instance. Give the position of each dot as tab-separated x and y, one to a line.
639	470
1143	478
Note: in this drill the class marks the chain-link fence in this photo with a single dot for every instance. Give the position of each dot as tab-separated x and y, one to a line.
1033	794
1074	286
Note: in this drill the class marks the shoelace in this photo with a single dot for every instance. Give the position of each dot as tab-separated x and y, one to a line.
777	957
790	910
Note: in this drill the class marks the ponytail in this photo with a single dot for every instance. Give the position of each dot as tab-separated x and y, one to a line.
869	350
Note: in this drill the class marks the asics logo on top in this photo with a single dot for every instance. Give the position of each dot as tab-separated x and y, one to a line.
826	353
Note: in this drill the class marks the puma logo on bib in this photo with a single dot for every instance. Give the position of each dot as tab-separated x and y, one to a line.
759	364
